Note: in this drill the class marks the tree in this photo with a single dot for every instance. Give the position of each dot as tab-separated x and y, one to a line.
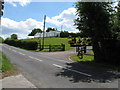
64	34
14	36
116	22
1	40
94	21
50	29
34	31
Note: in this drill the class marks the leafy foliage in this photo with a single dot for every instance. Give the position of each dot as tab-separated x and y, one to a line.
34	31
30	45
94	20
50	29
116	22
14	36
64	34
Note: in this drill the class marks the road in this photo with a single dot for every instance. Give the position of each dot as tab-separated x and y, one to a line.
48	72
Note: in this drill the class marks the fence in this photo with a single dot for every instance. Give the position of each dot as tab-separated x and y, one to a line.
82	49
53	47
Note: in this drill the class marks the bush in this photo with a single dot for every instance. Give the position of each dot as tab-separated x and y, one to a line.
30	45
1	40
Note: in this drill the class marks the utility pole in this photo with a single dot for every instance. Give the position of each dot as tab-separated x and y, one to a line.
61	27
43	32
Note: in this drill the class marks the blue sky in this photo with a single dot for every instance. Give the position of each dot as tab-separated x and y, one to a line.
35	10
21	18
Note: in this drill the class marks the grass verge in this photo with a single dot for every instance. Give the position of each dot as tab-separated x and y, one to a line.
74	57
89	60
7	68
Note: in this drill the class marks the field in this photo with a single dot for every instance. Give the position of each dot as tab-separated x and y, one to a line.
53	41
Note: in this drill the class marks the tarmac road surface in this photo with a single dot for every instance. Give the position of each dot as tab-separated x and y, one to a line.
48	72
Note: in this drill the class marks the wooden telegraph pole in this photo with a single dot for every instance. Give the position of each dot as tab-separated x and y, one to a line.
61	27
43	32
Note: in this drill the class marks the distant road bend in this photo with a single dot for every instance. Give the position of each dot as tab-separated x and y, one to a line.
48	72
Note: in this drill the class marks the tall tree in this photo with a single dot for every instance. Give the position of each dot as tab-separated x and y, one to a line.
116	22
34	31
64	34
14	36
50	29
94	21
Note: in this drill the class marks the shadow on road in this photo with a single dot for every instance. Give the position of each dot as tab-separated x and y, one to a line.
98	74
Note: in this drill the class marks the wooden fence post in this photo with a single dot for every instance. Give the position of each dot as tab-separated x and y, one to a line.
49	48
63	47
39	46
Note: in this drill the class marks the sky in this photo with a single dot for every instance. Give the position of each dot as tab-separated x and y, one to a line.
22	17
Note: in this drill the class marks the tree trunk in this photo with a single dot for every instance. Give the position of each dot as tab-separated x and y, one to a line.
107	51
97	49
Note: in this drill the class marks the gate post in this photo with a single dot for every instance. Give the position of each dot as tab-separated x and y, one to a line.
49	48
63	47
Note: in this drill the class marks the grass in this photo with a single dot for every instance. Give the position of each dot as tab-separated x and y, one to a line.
89	60
7	68
74	57
1	40
53	41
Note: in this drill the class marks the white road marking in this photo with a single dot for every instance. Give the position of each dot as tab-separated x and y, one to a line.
31	57
21	53
38	59
72	70
58	66
64	61
35	58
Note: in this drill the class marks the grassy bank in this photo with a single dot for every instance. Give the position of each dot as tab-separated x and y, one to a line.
53	41
1	40
7	68
89	60
89	57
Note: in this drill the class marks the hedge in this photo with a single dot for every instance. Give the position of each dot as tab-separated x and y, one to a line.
30	45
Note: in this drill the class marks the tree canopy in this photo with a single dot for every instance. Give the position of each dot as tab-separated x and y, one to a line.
34	31
116	22
50	29
14	36
94	20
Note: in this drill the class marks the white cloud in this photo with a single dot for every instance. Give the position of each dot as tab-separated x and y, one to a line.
21	2
22	28
66	18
